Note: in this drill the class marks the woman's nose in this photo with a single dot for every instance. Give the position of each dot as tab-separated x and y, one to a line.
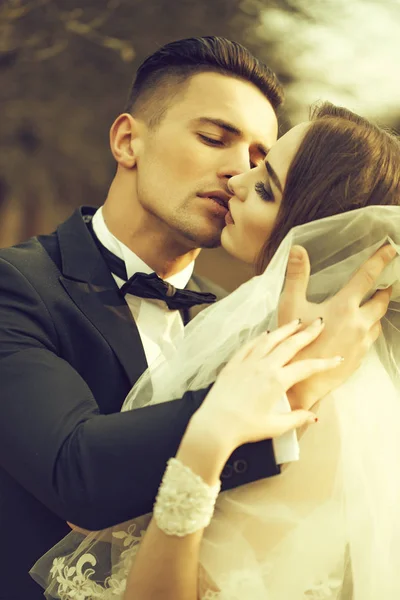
236	186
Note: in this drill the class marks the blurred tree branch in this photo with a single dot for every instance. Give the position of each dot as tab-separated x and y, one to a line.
16	16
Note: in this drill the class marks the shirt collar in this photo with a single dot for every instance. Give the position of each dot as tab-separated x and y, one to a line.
133	263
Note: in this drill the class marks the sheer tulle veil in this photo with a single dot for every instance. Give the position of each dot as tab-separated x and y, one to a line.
328	527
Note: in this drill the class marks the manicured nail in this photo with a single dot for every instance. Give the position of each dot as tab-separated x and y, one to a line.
339	359
312	419
295	323
295	255
318	322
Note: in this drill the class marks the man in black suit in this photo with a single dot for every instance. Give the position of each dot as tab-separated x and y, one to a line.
75	332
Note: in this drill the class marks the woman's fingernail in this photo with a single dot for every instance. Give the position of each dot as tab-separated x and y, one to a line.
391	251
339	359
296	254
295	323
312	419
318	322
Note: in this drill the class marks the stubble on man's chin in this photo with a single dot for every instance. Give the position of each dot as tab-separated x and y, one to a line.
200	236
202	239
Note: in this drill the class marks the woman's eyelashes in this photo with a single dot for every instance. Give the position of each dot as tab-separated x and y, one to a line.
264	193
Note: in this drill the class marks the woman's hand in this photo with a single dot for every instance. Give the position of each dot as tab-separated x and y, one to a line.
240	404
351	325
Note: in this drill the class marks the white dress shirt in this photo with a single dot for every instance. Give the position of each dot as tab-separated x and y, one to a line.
161	329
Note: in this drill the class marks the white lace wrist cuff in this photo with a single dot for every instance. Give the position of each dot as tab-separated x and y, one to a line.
184	503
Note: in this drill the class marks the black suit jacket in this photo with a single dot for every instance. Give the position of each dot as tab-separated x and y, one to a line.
69	353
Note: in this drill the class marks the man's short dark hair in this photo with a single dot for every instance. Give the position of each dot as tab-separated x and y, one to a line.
164	74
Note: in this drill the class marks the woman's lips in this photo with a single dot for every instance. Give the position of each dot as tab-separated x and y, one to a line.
228	219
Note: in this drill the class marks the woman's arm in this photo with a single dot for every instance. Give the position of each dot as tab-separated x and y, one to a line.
238	409
166	567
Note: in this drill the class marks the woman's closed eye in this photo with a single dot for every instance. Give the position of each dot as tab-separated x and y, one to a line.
264	193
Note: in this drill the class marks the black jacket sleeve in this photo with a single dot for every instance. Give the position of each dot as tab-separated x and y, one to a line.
91	469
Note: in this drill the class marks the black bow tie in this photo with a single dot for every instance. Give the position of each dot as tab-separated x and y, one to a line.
152	286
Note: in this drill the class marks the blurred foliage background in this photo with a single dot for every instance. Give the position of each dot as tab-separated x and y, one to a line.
66	66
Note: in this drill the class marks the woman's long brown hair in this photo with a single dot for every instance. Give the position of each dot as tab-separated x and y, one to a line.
344	162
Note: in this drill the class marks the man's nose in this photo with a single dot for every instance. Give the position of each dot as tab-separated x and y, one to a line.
236	164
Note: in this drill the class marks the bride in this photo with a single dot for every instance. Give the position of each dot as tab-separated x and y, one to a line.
328	527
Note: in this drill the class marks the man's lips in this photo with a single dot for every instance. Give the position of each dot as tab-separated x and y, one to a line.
219	196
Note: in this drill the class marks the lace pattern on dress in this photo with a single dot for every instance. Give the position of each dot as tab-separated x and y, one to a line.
78	582
185	503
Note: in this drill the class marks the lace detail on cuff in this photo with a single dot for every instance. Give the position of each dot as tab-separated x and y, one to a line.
185	503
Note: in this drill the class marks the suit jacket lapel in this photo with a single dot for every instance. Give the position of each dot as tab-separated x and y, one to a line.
89	283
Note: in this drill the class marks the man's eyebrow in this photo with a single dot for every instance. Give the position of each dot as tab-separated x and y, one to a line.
230	129
220	123
273	176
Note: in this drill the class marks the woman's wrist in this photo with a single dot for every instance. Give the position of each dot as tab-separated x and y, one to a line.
204	448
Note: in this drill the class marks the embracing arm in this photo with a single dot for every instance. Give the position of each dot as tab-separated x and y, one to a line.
88	467
85	467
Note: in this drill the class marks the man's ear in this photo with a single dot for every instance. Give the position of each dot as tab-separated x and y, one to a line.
125	140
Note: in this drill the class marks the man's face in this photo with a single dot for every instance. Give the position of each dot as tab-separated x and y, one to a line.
218	128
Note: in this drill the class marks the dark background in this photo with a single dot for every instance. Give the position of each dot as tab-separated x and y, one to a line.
66	66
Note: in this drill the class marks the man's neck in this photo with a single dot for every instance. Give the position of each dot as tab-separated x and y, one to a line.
157	249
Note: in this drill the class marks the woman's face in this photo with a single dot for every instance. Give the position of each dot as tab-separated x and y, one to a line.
257	197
